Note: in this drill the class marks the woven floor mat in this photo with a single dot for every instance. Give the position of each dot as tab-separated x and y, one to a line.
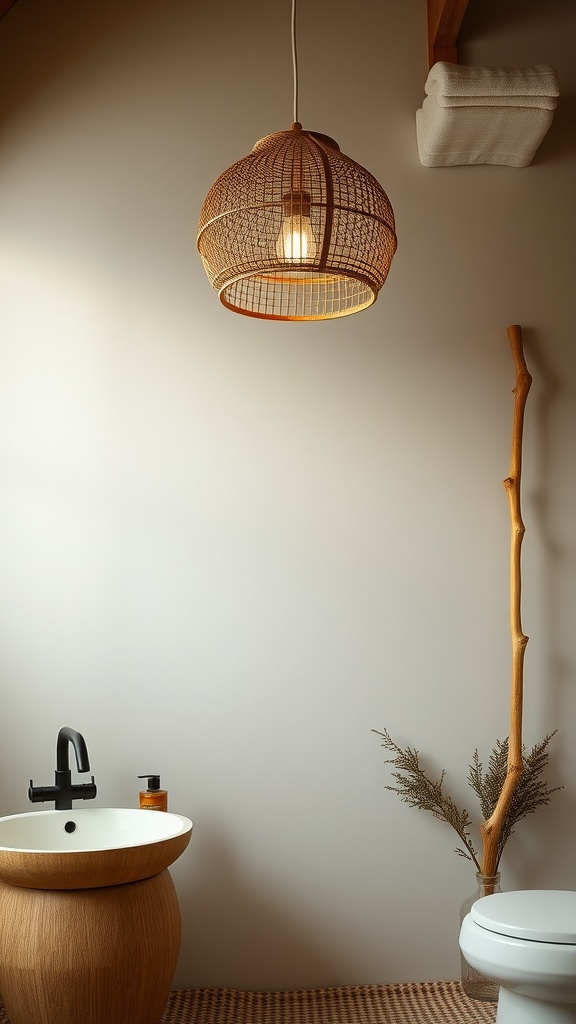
430	1002
439	1002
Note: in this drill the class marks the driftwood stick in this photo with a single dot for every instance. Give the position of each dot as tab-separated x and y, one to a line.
491	828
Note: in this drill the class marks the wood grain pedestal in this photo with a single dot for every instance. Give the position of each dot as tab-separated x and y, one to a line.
89	956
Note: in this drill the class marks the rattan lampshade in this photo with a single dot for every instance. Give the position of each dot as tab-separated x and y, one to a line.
296	230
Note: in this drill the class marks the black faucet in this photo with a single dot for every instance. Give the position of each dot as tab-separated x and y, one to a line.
63	792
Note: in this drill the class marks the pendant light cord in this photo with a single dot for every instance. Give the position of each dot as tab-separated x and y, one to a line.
295	61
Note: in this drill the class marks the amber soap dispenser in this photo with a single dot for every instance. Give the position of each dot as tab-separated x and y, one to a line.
153	798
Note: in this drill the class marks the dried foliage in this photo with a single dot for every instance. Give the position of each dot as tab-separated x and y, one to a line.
416	789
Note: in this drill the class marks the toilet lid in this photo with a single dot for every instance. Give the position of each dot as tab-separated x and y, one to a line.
543	915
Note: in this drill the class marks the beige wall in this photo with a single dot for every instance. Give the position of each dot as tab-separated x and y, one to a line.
230	549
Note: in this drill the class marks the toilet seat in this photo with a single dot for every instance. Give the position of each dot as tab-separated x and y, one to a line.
539	915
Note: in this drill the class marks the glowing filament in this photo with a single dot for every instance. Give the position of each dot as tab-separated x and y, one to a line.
296	242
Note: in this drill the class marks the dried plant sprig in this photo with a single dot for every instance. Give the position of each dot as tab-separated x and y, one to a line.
531	792
416	789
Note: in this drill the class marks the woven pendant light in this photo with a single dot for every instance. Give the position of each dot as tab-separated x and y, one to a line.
296	230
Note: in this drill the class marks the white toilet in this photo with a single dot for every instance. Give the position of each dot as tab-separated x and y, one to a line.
526	941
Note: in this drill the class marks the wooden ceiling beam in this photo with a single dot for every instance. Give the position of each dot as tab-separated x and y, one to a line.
444	20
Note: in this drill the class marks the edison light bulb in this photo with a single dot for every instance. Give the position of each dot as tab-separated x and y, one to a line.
296	242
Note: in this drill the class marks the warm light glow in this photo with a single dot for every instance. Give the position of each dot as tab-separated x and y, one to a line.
296	240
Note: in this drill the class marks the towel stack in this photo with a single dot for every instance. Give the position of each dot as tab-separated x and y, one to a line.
485	115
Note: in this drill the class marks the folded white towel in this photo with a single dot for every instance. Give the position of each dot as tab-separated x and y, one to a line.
485	115
543	102
459	80
479	135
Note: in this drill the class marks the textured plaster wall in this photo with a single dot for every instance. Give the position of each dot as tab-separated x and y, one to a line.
229	549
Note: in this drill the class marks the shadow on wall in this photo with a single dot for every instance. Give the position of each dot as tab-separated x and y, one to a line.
226	921
550	392
492	16
560	142
532	861
38	42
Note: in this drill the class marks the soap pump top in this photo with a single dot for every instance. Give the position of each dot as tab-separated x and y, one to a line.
153	781
153	798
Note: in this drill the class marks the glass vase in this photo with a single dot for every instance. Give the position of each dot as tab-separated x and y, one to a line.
474	984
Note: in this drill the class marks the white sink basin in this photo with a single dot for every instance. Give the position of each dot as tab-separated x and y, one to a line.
89	847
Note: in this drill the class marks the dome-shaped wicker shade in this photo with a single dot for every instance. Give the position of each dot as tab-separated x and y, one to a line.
296	231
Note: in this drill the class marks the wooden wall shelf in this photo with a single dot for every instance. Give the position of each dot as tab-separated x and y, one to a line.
444	20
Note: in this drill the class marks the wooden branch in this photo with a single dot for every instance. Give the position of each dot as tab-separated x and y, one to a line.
444	20
491	828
